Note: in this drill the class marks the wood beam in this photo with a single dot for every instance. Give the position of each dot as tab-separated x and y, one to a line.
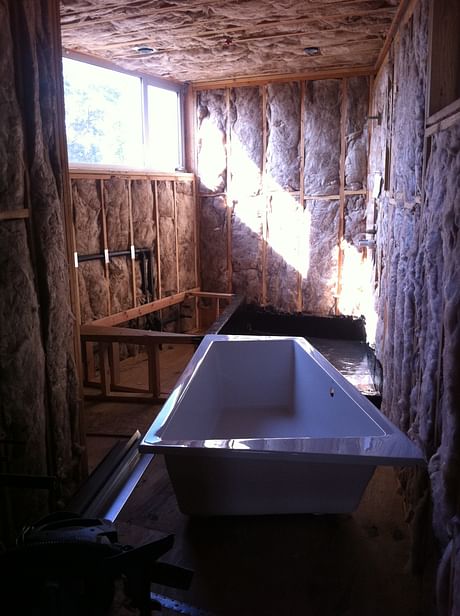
128	335
343	142
190	129
261	80
210	294
157	244
229	197
301	182
15	214
445	113
176	237
80	172
105	246
443	124
263	294
397	19
139	311
131	240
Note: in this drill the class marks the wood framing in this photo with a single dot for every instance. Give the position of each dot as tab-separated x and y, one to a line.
105	246
176	240
301	179
157	245
15	214
262	287
139	311
108	338
262	80
126	203
189	129
343	140
443	119
263	294
229	195
131	241
400	14
444	86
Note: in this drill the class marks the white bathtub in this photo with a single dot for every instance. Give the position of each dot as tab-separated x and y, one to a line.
267	426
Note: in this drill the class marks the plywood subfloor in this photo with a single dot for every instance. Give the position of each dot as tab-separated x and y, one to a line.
284	565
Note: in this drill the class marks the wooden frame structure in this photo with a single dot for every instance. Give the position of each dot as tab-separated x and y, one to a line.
108	337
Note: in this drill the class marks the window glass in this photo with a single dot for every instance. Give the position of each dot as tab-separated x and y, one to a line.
163	129
103	115
106	123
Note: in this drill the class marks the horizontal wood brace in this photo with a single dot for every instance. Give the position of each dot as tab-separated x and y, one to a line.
15	214
139	311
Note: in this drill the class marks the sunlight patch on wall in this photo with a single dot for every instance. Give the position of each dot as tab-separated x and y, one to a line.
212	156
245	169
288	230
355	298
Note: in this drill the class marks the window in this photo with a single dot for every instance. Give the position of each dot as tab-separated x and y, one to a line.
115	118
163	121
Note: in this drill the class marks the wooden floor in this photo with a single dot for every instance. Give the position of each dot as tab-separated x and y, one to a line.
109	421
303	565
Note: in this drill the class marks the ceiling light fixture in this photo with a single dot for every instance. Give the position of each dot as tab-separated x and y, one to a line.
312	51
144	50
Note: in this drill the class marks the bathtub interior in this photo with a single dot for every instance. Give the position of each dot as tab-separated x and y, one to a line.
273	396
267	426
270	388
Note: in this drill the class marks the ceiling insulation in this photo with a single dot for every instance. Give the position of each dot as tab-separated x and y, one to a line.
206	40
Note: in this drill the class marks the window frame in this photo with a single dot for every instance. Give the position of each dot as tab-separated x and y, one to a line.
145	81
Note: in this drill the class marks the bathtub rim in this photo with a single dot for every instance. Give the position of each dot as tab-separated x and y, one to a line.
394	448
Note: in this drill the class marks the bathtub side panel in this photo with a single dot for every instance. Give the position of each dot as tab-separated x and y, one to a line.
207	485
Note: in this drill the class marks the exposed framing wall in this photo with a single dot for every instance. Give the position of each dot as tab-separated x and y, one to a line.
282	175
414	167
151	220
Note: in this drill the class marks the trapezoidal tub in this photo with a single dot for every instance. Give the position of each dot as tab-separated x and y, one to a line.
267	425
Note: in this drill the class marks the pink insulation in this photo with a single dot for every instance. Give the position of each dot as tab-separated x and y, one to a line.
319	284
117	213
322	102
354	227
143	213
283	138
409	110
246	149
247	247
87	217
94	291
120	284
213	247
167	233
284	213
185	207
442	274
356	133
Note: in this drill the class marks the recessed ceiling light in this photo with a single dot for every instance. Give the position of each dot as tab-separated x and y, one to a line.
144	49
312	51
